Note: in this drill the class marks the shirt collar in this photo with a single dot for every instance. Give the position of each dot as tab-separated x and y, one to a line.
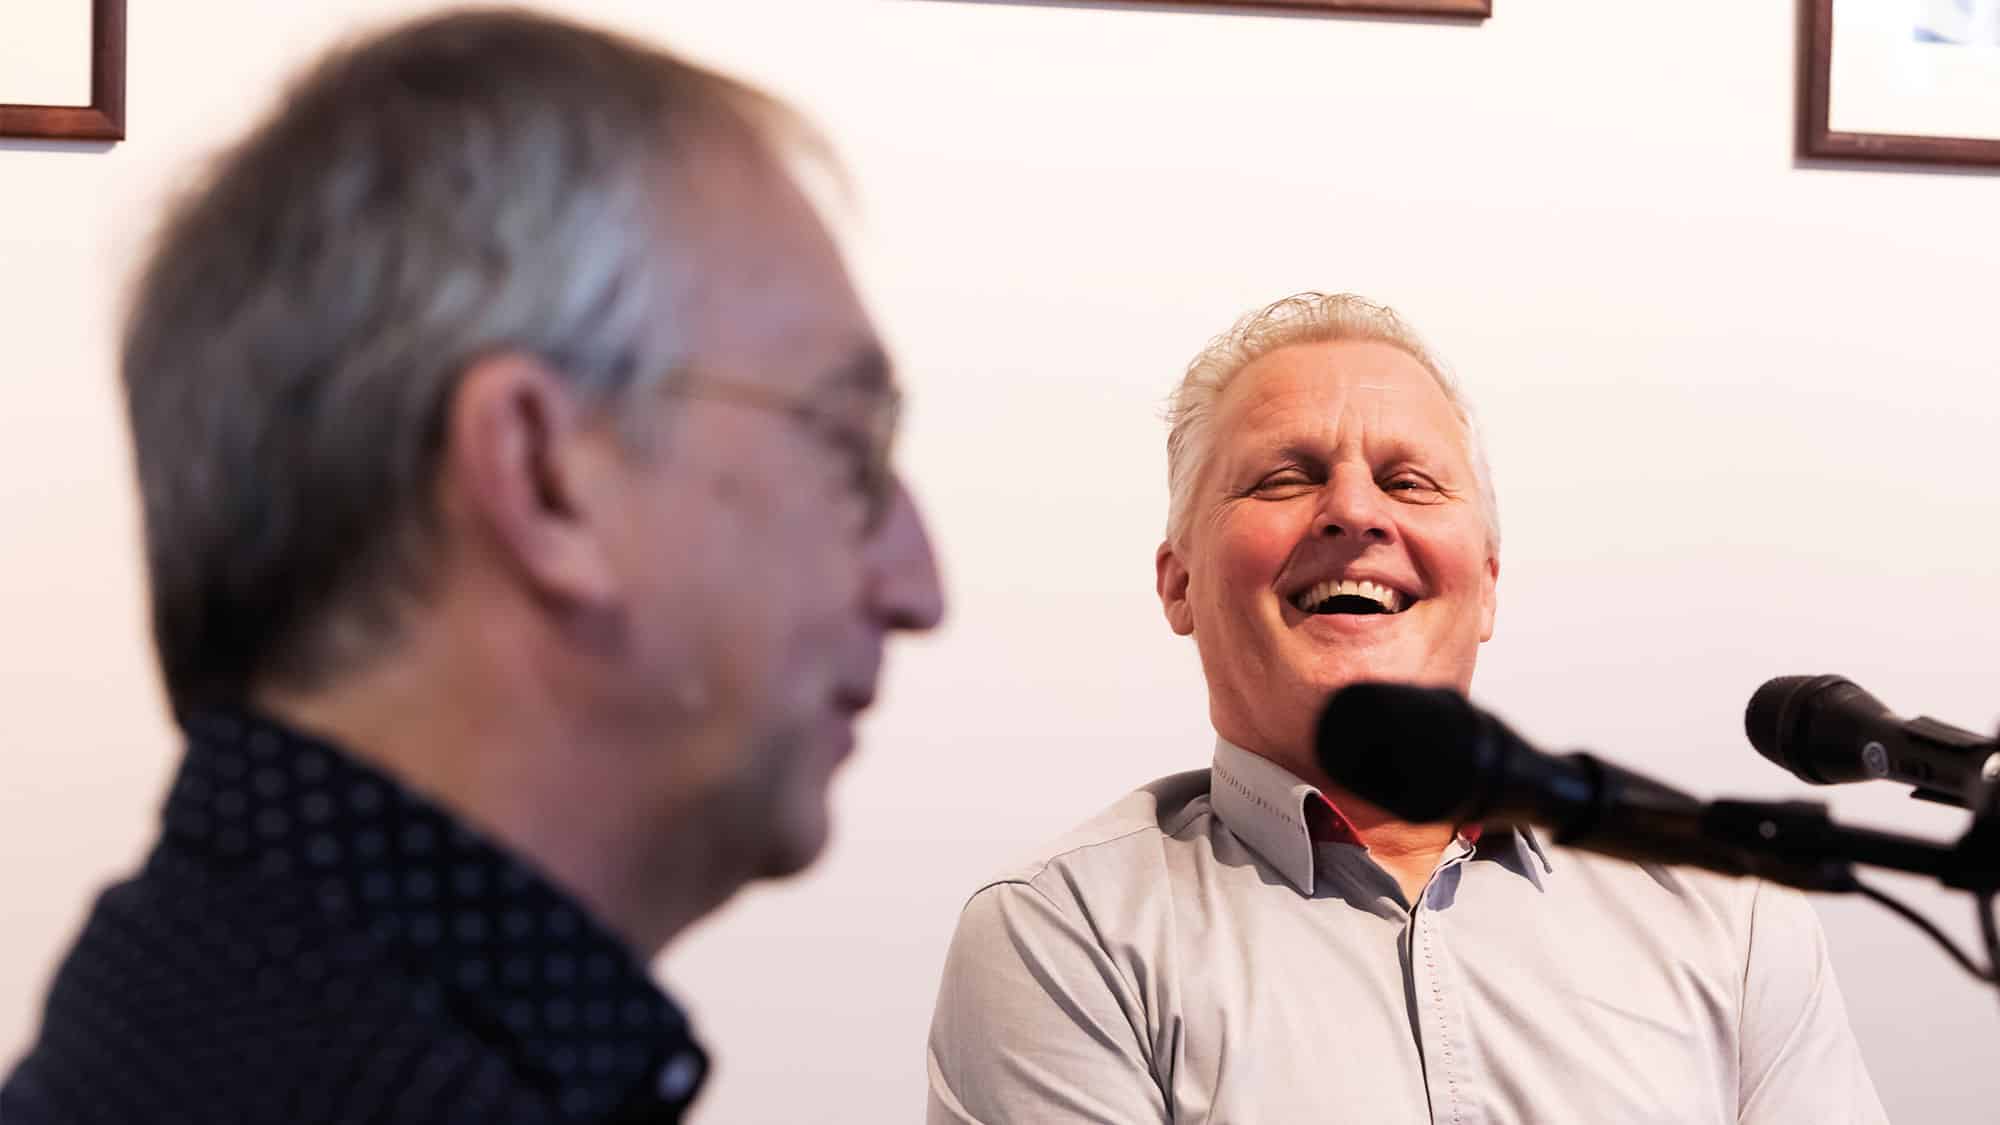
1281	818
1264	805
520	963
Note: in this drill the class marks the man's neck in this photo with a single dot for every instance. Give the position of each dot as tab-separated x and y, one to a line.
1409	852
491	747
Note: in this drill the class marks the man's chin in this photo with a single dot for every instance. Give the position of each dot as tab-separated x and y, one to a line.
789	790
796	840
1326	680
1331	672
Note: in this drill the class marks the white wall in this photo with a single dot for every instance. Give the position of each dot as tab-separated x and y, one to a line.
1743	418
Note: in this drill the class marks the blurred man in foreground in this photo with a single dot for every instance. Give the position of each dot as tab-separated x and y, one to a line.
523	545
1250	943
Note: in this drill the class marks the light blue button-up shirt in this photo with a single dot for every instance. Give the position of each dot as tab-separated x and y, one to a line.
1193	956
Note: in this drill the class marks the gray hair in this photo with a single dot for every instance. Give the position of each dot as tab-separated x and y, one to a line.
464	184
1303	318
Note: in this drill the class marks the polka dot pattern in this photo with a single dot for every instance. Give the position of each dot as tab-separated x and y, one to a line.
312	942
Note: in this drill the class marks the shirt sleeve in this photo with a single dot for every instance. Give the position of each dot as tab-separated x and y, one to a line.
1035	1023
1800	1061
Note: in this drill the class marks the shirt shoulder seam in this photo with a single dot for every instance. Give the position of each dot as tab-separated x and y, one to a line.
1028	882
1041	868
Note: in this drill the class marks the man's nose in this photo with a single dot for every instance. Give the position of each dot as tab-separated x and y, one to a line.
1352	505
904	590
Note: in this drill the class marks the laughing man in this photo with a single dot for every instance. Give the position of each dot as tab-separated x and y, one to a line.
1249	943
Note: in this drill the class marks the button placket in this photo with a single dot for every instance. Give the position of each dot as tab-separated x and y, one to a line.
1444	1054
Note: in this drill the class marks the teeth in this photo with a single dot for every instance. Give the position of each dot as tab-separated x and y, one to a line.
1390	600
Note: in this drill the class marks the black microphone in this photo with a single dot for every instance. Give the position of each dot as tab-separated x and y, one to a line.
1827	730
1427	755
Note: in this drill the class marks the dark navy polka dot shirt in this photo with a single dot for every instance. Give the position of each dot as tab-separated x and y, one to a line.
311	942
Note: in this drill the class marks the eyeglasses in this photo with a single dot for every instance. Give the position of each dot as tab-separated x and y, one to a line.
862	436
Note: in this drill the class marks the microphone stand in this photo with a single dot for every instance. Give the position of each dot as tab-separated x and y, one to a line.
1798	844
1983	838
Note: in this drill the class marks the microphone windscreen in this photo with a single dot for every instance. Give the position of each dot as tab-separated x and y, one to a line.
1412	751
1775	720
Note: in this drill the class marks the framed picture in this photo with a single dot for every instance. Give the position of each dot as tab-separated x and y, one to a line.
1469	9
1916	81
62	70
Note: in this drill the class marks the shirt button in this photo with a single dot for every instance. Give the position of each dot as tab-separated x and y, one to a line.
678	1077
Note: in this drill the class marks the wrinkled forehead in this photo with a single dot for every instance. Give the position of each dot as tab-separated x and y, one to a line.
1327	393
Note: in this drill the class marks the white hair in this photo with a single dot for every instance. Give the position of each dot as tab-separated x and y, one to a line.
1303	318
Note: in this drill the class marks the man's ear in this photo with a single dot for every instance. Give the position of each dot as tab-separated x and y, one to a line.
1171	578
1489	597
530	472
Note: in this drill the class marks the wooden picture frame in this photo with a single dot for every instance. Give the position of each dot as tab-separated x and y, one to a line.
104	118
1818	139
1463	9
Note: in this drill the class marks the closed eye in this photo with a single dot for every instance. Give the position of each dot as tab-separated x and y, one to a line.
1414	486
1417	489
1285	482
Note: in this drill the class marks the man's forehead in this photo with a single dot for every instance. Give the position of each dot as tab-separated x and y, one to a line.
1303	394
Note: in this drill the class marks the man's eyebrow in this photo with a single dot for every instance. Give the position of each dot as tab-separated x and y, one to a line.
1295	451
1395	448
865	369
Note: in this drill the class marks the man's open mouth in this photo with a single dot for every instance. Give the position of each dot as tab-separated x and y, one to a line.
1351	597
